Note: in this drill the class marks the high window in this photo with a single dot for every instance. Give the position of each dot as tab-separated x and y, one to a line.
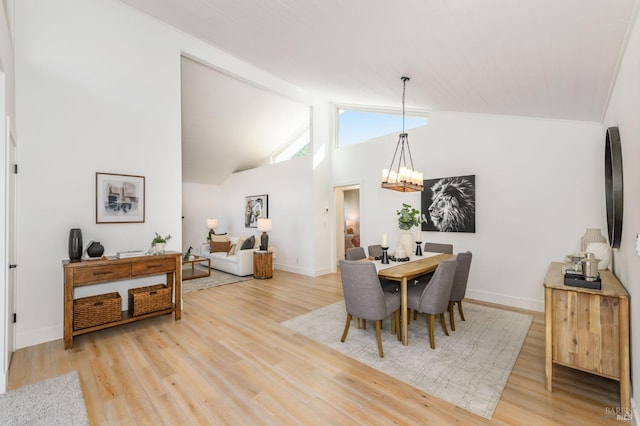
361	125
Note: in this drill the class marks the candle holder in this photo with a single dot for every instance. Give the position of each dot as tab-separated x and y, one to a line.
385	255
418	248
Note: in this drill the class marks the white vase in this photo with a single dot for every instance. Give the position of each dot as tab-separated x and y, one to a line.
158	248
592	235
601	251
406	239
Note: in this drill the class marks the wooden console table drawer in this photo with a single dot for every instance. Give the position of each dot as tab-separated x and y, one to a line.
155	266
96	274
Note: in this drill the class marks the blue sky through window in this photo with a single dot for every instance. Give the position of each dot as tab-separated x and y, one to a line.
360	126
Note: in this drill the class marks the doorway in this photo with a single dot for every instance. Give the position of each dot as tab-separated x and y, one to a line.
347	219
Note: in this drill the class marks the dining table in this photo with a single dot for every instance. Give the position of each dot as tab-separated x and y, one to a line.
403	271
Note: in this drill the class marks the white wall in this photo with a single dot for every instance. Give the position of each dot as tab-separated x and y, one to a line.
623	112
99	88
539	185
199	203
6	110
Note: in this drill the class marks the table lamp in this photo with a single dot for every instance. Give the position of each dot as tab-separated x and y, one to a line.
264	225
212	224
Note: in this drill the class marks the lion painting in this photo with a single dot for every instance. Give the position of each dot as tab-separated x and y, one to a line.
451	205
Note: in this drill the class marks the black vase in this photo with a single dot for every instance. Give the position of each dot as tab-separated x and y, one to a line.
75	244
95	249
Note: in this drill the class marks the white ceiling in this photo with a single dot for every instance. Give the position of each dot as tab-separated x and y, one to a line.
537	58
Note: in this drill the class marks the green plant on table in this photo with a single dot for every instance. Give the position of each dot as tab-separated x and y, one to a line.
159	239
409	217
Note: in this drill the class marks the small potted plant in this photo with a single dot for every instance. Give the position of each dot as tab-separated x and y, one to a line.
158	243
408	217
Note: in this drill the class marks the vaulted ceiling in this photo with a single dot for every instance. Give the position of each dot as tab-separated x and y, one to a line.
538	58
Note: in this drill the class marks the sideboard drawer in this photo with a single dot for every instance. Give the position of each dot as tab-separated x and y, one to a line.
101	273
150	267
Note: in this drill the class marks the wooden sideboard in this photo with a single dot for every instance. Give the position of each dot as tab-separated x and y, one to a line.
587	329
91	272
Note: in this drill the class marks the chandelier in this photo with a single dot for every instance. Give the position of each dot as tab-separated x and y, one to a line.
399	176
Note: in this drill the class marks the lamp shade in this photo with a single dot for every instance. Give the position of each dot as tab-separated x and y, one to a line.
212	223
264	224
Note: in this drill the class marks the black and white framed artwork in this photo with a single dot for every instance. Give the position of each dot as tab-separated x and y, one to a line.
449	204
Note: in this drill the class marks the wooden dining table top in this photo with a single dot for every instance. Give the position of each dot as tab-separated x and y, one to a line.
414	268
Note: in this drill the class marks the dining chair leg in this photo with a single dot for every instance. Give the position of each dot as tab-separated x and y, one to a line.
444	324
363	323
415	315
379	335
393	323
431	320
346	328
460	309
399	331
451	319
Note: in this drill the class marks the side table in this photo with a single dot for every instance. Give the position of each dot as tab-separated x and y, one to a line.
262	264
189	274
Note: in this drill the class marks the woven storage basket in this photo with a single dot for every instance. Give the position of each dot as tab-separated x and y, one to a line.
96	310
153	298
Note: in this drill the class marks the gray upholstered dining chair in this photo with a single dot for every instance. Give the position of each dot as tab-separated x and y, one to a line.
438	248
433	248
364	298
355	253
434	299
375	250
459	285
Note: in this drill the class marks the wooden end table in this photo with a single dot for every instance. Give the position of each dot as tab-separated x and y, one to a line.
189	274
262	264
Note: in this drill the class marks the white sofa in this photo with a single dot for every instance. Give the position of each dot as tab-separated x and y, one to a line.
240	264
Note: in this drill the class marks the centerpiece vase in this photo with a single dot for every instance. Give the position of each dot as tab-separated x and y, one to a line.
407	241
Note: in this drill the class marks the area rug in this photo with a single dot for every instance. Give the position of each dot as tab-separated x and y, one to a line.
468	368
55	401
215	279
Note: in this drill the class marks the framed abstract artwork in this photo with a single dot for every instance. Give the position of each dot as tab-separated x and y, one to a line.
256	207
449	204
119	198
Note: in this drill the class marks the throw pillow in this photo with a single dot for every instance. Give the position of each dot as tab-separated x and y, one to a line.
232	250
217	238
220	246
248	243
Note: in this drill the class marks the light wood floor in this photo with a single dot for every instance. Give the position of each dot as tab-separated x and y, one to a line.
229	361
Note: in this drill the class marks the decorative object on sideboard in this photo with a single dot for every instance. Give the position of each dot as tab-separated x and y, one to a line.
158	243
401	176
256	207
613	185
119	198
75	245
95	249
450	204
264	225
212	224
601	251
591	235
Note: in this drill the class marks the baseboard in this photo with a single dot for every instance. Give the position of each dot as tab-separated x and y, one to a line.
35	337
3	383
298	270
634	412
501	299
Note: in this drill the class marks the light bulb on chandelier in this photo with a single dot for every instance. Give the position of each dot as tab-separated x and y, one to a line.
401	176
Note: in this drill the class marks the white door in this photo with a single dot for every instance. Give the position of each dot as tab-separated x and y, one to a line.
11	246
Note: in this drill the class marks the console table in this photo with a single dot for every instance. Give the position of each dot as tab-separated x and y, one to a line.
587	329
91	272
